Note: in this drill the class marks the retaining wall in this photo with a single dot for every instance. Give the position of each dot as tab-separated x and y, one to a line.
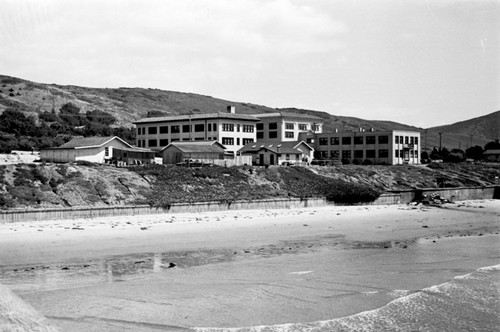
393	197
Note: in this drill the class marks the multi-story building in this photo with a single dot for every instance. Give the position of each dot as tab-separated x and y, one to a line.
379	147
286	126
230	129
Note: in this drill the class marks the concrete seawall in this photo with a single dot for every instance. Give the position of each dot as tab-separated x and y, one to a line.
393	197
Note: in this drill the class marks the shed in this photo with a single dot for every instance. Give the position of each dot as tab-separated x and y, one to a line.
492	155
278	153
92	149
198	151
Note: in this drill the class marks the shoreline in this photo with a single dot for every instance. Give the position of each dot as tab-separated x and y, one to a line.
291	264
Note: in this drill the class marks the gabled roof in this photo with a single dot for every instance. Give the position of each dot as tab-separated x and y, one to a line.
197	146
491	152
288	115
276	147
90	142
219	115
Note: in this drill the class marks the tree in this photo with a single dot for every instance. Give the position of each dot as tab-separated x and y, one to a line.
13	121
70	114
494	145
101	117
424	156
474	152
435	154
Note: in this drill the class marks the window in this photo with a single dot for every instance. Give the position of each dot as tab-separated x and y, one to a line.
302	126
383	153
411	153
411	140
287	156
238	128
310	140
106	151
247	140
227	127
406	139
346	154
227	141
164	142
358	140
209	127
334	154
370	139
416	140
248	128
334	141
396	139
164	130
186	128
289	126
152	130
238	141
199	127
315	127
323	141
358	154
273	134
346	140
152	143
323	154
289	134
214	127
273	125
383	139
260	135
260	126
370	153
396	153
175	129
139	143
416	153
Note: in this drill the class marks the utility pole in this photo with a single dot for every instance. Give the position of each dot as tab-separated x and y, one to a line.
426	140
440	137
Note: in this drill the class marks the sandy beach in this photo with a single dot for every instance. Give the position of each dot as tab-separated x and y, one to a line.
241	268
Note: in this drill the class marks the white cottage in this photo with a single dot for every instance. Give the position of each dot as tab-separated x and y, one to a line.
92	149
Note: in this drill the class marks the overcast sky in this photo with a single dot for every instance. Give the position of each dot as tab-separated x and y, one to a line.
423	63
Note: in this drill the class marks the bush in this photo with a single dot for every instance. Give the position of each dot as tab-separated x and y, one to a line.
367	162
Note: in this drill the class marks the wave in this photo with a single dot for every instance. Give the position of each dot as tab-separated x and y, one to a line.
465	303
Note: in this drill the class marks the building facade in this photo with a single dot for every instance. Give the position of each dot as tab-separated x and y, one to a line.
269	153
286	126
378	147
231	130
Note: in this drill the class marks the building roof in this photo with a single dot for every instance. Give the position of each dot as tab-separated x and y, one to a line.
89	142
197	146
219	115
288	115
276	147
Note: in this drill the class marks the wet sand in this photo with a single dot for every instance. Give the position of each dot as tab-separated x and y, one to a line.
241	268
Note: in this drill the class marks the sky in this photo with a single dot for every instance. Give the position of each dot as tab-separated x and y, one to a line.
422	63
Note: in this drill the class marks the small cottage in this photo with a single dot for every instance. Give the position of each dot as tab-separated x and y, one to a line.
266	153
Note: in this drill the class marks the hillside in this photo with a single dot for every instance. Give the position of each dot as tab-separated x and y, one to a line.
61	185
129	104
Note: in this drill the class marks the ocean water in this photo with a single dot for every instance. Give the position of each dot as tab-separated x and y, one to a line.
469	302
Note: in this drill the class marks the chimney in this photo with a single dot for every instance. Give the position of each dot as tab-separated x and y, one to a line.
371	129
231	109
360	129
336	130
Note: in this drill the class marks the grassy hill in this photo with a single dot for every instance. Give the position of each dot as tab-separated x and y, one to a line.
129	104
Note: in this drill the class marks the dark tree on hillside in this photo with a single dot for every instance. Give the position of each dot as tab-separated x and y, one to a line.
494	145
70	114
13	121
435	154
101	117
475	152
424	156
48	117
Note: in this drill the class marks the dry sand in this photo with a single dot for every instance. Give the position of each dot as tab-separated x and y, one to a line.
241	268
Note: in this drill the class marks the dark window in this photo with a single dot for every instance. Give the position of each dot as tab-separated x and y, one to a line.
260	126
152	130
383	153
346	140
175	129
334	154
416	140
164	130
186	128
302	126
227	141
397	140
346	154
273	125
289	134
260	135
106	151
273	134
323	154
214	127
199	127
209	127
411	140
163	142
370	139
370	153
139	143
358	140
334	141
315	127
383	139
396	153
406	139
358	154
247	140
238	141
323	141
289	126
248	128
152	143
227	127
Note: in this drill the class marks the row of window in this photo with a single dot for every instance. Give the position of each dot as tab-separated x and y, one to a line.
407	140
230	141
361	154
288	126
358	140
164	142
409	154
197	128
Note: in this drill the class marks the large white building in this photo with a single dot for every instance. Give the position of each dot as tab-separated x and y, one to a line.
231	130
286	126
392	147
